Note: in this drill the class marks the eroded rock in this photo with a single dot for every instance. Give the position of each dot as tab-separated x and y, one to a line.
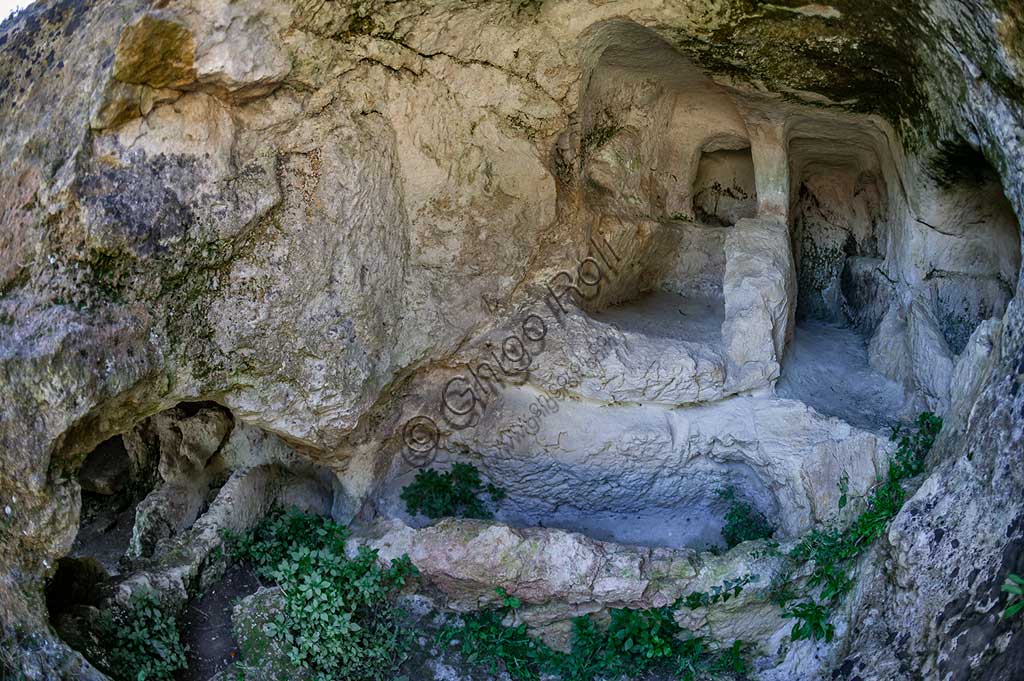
303	213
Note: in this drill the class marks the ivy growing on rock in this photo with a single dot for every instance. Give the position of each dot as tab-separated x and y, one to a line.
145	643
743	522
833	550
721	593
1014	586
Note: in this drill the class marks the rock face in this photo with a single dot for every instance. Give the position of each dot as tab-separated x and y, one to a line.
377	234
559	575
661	468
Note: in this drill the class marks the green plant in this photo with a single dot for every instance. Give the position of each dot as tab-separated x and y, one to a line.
145	644
833	549
695	661
743	522
339	619
718	594
439	495
635	641
640	639
1014	586
485	641
844	490
811	622
781	590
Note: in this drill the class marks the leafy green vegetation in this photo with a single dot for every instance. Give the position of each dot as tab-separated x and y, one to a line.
145	644
454	494
635	642
339	619
1014	586
718	594
811	622
486	642
743	522
833	549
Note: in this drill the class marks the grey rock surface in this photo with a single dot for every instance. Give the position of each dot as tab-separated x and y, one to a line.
315	214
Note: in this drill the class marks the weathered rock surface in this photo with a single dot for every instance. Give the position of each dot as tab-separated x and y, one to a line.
580	465
307	211
559	575
263	656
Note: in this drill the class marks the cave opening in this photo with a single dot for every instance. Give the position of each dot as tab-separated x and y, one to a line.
114	480
682	296
890	287
724	191
841	227
140	489
157	500
667	170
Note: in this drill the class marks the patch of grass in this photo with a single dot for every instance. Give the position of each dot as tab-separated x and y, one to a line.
743	522
454	494
635	642
339	619
145	643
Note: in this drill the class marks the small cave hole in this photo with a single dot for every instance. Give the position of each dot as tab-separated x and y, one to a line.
724	191
111	491
112	487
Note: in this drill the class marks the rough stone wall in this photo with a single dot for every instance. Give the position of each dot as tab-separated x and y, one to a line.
291	208
930	600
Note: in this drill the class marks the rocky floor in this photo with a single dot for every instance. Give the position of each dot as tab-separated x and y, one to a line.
666	315
826	367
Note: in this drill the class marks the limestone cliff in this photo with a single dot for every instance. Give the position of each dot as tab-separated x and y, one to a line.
316	214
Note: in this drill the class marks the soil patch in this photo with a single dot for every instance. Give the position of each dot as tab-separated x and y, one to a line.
206	624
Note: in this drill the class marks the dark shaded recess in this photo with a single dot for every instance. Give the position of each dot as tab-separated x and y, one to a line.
139	205
957	162
106	468
193	408
876	63
77	581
